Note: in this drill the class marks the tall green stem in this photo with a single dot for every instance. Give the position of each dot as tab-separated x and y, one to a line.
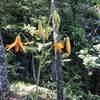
38	79
39	71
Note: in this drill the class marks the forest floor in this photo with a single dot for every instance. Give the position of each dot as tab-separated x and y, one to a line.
25	91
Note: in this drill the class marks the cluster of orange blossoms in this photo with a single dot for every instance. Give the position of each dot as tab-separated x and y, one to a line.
19	45
42	32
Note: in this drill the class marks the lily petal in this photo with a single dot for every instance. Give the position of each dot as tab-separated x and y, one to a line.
10	46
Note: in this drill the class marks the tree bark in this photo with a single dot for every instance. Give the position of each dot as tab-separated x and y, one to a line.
4	84
56	38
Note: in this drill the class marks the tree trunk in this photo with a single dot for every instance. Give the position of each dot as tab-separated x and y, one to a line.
4	84
57	57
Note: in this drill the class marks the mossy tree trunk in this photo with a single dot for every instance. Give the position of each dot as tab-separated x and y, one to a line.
56	38
4	84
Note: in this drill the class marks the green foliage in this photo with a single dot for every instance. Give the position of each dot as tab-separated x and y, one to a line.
21	17
90	55
78	33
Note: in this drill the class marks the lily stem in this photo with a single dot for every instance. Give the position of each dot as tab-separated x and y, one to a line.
39	71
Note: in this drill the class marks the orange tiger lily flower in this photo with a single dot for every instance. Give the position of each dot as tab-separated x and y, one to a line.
59	45
18	44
